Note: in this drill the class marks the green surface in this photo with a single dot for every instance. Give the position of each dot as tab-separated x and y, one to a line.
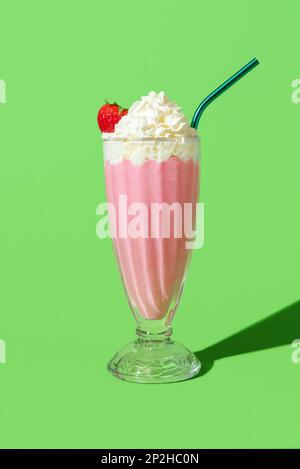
63	311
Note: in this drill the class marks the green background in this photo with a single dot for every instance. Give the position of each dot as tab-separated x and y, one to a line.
63	311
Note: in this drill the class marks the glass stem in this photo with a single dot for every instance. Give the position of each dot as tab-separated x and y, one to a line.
153	331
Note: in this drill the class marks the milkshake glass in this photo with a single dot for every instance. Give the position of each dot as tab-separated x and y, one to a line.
152	158
153	183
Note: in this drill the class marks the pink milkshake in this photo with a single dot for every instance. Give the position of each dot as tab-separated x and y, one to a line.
151	163
153	268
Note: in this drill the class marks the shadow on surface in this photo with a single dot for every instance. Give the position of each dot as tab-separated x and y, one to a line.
280	328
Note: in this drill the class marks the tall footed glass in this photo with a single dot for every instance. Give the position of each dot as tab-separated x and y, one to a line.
152	189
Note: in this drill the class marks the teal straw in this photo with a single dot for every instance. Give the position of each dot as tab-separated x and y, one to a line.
218	91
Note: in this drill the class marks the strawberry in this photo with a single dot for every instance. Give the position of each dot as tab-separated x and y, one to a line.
109	115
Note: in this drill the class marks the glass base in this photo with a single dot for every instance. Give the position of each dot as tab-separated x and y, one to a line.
151	361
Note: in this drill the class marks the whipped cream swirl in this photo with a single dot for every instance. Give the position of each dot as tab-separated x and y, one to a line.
152	117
